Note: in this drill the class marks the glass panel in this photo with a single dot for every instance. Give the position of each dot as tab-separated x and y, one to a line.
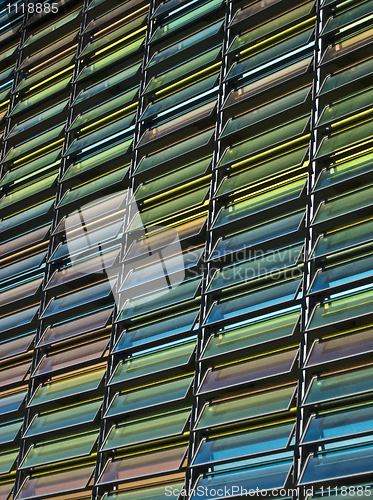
159	330
9	431
228	341
16	346
162	426
27	192
276	53
340	423
71	480
243	373
47	161
18	319
251	10
64	388
347	76
58	46
22	266
256	204
253	301
259	234
5	490
340	348
154	493
53	27
63	66
247	407
177	48
173	152
143	465
150	396
340	386
344	204
14	374
11	403
347	17
41	117
339	141
7	460
70	357
345	171
153	363
346	107
237	445
59	450
76	327
270	139
346	46
74	415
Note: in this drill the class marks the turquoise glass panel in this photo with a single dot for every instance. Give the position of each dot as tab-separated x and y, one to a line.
18	319
35	120
11	403
9	431
7	460
347	76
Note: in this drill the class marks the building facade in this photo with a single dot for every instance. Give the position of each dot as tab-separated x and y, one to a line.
186	221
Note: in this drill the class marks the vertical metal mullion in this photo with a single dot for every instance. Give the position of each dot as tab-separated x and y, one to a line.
191	475
39	329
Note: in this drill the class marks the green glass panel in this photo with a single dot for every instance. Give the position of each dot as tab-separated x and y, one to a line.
21	194
190	17
11	403
4	95
7	460
246	407
154	493
253	301
107	84
279	23
64	388
94	186
186	43
88	71
147	430
346	238
350	16
259	234
25	216
50	136
173	179
278	52
338	386
347	76
259	203
271	262
228	341
94	161
175	151
35	120
178	98
267	111
43	163
44	94
150	396
344	204
53	27
173	207
66	64
262	171
104	134
348	137
159	299
9	431
270	139
153	363
93	114
114	35
74	415
182	70
60	450
347	107
345	171
342	310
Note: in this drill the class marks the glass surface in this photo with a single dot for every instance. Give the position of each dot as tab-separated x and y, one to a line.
58	46
9	431
228	341
7	460
343	139
346	46
52	27
64	65
153	493
341	423
152	363
141	431
11	403
246	407
251	10
340	385
22	266
70	386
14	374
347	76
19	345
18	319
47	161
71	480
259	234
271	138
75	415
243	443
41	117
76	327
175	151
253	301
346	107
27	192
150	396
15	293
243	373
5	490
71	357
137	466
153	331
59	450
260	203
347	17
